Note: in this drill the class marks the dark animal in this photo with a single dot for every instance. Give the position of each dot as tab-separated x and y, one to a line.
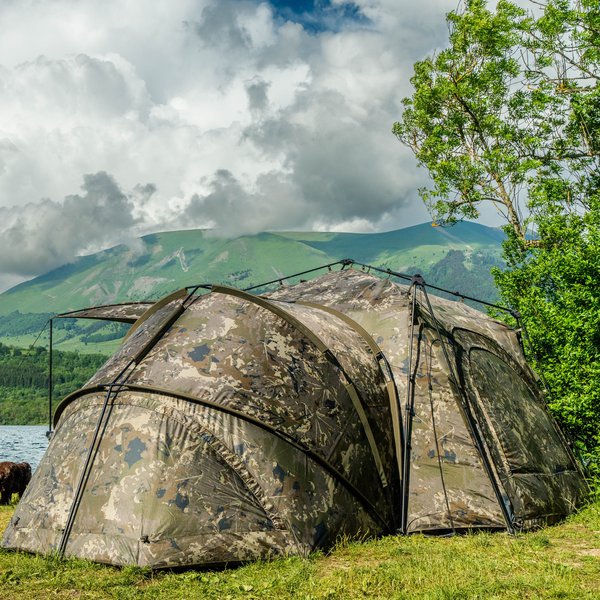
14	478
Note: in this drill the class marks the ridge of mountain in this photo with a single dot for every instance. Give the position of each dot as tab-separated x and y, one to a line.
457	257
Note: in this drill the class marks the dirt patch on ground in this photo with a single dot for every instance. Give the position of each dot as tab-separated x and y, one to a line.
345	564
590	552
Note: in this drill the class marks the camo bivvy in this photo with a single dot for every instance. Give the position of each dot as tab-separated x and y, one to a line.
230	427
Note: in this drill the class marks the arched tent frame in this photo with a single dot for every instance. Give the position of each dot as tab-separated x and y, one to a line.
135	313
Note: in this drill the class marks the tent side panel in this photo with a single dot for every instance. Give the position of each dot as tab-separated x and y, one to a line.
449	487
42	513
316	508
296	492
360	365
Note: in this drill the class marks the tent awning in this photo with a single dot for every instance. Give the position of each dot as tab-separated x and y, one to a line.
124	313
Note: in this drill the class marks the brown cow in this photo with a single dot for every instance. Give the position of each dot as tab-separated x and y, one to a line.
14	478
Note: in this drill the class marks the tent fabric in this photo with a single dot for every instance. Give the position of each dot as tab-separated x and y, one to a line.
124	313
230	427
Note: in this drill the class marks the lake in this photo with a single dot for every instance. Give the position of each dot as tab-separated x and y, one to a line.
23	443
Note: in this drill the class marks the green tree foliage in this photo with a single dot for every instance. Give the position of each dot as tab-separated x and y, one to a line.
24	381
556	290
509	115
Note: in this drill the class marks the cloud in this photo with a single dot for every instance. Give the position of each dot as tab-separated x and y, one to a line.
40	236
243	115
258	99
230	209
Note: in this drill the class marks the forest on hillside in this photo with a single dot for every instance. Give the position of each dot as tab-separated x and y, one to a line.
24	381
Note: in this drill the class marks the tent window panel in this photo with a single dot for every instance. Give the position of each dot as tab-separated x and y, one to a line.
518	418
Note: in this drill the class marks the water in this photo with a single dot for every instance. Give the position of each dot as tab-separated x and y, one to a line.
23	443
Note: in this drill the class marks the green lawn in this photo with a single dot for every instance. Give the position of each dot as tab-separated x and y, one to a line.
556	562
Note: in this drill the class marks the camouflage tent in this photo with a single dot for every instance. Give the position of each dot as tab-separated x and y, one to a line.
231	427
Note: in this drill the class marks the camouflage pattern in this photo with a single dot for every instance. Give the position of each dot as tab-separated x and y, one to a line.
247	428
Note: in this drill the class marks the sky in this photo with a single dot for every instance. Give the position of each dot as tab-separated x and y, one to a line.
124	117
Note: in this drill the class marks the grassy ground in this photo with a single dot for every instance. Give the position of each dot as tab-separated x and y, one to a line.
557	562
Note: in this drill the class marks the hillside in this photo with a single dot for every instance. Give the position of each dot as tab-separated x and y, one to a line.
459	258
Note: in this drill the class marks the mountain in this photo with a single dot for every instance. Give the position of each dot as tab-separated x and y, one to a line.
458	258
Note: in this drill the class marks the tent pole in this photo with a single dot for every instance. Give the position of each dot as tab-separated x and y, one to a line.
409	408
50	383
85	472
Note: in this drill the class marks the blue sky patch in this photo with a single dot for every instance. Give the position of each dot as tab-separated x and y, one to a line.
320	15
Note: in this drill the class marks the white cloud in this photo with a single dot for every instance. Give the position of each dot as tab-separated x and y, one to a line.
41	235
235	116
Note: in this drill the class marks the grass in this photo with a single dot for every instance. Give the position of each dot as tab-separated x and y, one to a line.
557	562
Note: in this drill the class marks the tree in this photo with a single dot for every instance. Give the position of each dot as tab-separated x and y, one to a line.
509	115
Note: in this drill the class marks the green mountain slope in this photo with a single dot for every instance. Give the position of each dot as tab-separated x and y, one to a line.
422	243
458	258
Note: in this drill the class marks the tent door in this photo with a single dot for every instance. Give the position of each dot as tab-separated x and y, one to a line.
519	434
